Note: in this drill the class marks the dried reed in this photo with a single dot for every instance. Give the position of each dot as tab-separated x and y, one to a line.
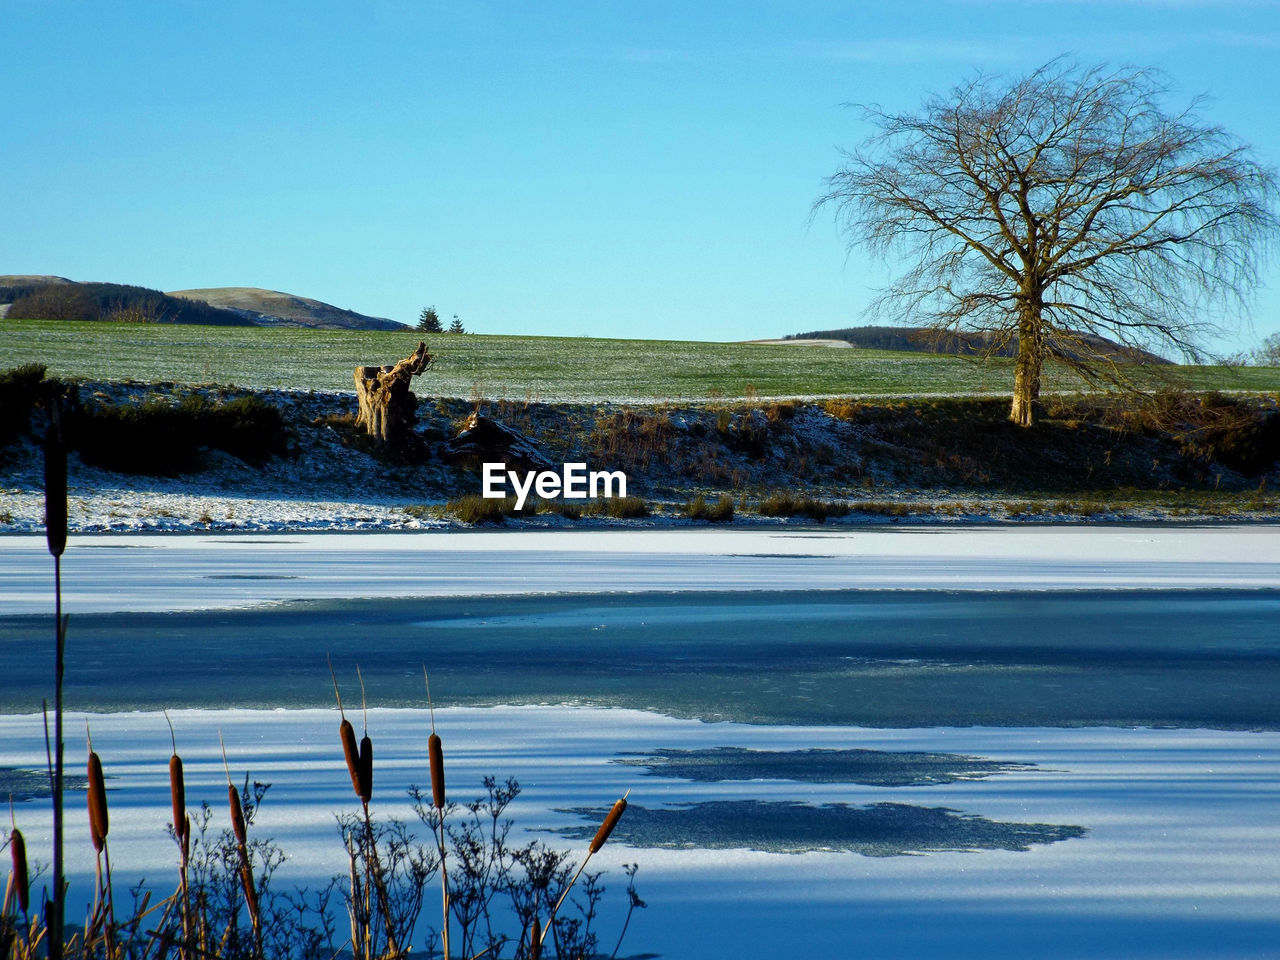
103	915
435	757
602	835
238	828
181	834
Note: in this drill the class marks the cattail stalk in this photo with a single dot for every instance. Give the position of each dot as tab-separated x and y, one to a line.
241	834
364	764
181	834
347	734
360	768
602	835
435	762
99	826
55	527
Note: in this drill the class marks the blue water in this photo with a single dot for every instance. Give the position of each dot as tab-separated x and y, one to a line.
869	658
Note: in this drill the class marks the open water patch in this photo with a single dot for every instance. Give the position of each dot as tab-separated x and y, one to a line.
20	784
873	768
875	830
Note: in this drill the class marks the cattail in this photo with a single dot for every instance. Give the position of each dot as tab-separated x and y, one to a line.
55	489
237	814
186	839
21	884
178	793
364	780
610	822
435	751
98	823
535	940
177	786
351	752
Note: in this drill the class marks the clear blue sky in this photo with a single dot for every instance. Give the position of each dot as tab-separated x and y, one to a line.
605	168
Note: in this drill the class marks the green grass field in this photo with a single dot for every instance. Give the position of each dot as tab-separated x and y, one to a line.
539	368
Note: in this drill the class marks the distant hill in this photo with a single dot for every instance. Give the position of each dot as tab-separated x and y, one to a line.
57	298
30	280
926	340
271	308
34	297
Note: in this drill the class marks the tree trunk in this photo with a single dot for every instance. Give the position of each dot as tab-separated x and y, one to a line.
1026	370
387	406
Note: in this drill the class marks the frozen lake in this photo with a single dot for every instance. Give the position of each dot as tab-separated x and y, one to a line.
1030	742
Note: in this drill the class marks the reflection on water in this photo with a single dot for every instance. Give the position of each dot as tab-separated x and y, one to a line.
876	830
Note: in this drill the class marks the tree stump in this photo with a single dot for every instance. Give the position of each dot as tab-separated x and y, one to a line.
387	406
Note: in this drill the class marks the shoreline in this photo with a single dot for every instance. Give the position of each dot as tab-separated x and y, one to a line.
846	464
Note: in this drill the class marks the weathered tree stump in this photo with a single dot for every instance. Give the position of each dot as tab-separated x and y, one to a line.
388	409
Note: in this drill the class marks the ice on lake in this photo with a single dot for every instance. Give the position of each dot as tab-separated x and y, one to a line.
1031	742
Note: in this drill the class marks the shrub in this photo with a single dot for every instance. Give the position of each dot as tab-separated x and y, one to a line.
19	389
475	509
564	508
159	437
620	508
790	505
841	408
719	512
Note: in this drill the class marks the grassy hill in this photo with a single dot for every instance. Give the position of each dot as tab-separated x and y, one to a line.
31	297
273	309
60	299
545	368
927	340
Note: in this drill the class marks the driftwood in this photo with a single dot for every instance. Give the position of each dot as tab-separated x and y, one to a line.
487	440
388	409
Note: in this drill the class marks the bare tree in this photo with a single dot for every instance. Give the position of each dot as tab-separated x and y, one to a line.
1057	209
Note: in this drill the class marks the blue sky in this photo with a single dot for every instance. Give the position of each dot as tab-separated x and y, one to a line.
604	168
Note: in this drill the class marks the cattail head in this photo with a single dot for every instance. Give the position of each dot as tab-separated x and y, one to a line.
237	814
21	884
364	780
351	752
98	823
55	489
178	794
186	839
610	821
435	752
535	940
177	787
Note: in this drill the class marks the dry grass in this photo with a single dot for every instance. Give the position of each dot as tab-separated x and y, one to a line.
699	508
786	504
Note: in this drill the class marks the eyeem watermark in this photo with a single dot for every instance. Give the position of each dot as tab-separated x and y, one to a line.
574	482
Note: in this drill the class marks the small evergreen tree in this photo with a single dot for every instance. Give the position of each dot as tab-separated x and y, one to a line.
456	326
429	321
